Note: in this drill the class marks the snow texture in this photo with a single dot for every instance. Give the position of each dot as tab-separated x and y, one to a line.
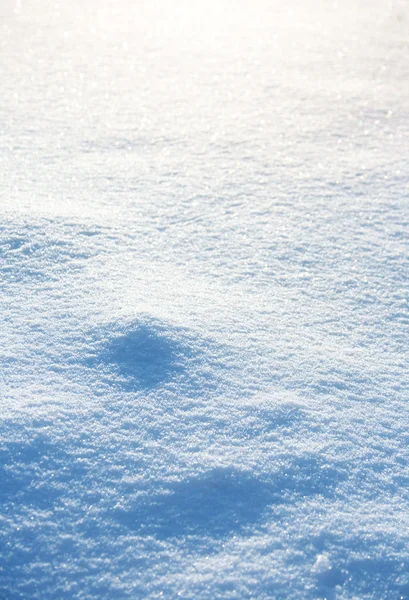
204	242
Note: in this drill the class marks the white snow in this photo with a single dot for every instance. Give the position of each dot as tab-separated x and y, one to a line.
204	245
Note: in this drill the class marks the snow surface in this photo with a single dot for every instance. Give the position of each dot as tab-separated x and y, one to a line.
204	298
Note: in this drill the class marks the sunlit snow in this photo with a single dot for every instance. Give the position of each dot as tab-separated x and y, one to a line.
204	212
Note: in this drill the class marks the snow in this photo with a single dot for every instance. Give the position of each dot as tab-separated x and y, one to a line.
204	295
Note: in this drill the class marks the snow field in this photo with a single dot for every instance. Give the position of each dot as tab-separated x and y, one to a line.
204	299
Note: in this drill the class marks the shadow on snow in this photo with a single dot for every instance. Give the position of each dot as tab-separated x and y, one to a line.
144	356
217	504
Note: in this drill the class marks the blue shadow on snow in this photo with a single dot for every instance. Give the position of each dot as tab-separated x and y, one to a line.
218	504
145	355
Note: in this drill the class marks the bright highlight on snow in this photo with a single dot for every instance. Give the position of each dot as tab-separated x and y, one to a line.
204	299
